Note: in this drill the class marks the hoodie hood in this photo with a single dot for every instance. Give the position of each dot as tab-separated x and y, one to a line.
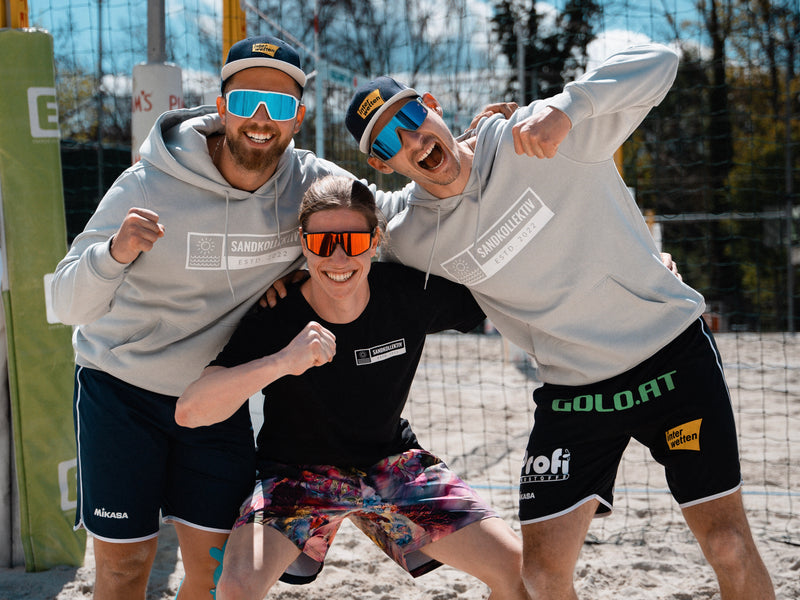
156	322
177	146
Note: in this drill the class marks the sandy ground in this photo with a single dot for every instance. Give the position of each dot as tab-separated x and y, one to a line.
477	416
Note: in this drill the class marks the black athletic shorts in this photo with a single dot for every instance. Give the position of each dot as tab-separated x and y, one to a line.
676	403
134	461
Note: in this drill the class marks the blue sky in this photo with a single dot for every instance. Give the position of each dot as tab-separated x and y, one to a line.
634	19
125	38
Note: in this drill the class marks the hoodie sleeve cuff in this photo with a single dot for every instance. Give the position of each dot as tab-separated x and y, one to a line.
574	103
105	265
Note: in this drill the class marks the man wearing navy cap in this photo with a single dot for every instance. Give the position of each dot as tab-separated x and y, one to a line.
181	245
559	258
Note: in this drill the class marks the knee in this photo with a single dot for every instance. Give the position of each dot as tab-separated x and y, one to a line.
124	568
503	575
235	587
728	547
229	589
532	578
545	573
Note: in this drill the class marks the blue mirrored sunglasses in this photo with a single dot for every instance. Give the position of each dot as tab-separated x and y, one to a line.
387	143
245	103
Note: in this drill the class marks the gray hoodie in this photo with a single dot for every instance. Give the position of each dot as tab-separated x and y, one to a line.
158	321
555	250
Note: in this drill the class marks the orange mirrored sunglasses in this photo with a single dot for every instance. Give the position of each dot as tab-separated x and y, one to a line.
324	243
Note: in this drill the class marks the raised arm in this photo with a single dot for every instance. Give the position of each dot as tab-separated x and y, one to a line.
220	391
87	278
593	115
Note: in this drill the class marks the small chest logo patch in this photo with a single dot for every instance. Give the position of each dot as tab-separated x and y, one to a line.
367	356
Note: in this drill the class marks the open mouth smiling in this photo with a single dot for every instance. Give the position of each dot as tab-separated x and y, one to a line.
431	158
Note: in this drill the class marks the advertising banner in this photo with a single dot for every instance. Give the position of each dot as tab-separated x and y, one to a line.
40	357
157	88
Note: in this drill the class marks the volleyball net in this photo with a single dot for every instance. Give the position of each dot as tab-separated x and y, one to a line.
714	168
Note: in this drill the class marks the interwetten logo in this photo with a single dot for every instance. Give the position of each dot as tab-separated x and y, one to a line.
685	437
268	49
370	103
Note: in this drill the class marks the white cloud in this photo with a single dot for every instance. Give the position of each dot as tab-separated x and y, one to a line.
614	40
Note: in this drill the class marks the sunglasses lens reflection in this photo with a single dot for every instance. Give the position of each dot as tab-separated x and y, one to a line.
352	242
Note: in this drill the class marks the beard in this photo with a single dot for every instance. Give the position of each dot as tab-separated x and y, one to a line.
253	159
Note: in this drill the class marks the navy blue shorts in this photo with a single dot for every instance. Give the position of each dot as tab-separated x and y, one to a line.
676	403
134	461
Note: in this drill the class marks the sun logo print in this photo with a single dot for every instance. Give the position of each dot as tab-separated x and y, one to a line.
464	269
204	251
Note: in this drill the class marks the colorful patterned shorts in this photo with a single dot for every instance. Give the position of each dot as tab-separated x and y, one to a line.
402	503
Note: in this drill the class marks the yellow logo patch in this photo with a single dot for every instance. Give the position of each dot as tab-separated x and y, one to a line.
685	437
268	49
370	103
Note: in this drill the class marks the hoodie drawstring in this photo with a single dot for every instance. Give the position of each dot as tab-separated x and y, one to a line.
225	250
478	220
277	218
438	222
433	247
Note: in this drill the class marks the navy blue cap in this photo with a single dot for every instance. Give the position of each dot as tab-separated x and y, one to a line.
369	102
264	51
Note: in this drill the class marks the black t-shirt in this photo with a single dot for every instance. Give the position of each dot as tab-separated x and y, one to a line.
347	412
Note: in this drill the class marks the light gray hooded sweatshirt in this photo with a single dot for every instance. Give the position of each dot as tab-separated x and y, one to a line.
555	250
158	321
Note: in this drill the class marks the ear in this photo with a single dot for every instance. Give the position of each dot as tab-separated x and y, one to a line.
379	165
432	103
221	108
376	240
301	114
303	246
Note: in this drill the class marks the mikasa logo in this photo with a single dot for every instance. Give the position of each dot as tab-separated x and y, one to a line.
105	514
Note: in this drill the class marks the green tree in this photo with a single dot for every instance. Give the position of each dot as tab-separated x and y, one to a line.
720	144
553	53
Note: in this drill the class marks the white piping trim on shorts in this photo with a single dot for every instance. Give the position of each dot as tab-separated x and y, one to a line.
710	498
172	519
121	541
573	507
80	522
717	356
